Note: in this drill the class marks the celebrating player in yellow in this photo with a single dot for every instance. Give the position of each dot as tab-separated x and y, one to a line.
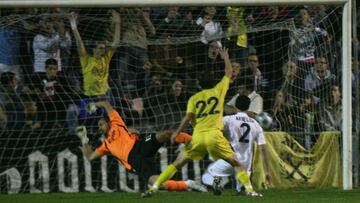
205	111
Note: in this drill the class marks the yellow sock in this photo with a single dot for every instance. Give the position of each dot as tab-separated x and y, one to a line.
167	174
243	177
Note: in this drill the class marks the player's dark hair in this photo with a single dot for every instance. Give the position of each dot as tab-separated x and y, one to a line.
207	80
242	102
50	61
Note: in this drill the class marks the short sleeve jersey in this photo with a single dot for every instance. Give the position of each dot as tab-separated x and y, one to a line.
118	142
208	107
243	131
95	73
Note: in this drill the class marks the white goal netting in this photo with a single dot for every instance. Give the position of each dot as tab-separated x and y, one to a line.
289	56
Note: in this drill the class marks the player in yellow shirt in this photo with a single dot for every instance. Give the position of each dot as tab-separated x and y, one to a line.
95	68
205	111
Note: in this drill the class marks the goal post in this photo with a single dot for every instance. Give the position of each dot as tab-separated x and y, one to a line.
346	100
347	172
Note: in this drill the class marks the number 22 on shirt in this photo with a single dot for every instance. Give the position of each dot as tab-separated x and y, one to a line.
207	107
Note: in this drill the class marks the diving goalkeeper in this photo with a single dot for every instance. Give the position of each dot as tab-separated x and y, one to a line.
136	153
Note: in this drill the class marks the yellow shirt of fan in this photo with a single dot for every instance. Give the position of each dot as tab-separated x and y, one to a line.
208	107
95	73
241	39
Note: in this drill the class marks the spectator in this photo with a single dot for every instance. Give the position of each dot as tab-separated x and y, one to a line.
26	118
10	89
171	25
49	42
133	59
282	118
305	121
271	46
292	86
212	29
319	79
236	70
256	104
253	72
176	100
10	39
154	98
190	28
211	62
65	52
177	97
235	80
238	42
10	101
7	92
55	93
303	39
31	28
95	68
166	58
330	111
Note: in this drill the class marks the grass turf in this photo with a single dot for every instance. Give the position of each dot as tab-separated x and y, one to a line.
270	196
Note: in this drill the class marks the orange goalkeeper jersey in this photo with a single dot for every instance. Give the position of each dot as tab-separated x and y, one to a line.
118	142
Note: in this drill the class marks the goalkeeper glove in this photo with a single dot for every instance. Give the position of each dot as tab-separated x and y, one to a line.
82	134
91	108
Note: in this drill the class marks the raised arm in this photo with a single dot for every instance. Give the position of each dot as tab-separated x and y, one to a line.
116	37
147	22
80	44
225	56
184	123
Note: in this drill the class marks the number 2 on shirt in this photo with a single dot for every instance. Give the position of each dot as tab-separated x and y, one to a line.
244	136
212	101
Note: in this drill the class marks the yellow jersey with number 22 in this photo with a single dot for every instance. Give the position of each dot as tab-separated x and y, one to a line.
208	107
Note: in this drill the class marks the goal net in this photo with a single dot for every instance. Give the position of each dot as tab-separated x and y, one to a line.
290	56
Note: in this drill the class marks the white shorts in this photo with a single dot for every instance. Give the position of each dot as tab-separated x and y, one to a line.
223	169
220	168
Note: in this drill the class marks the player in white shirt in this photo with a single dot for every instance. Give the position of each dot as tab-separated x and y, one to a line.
242	131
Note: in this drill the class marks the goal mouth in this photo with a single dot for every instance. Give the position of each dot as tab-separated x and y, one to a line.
285	56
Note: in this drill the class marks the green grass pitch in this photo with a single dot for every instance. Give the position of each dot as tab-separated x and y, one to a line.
229	196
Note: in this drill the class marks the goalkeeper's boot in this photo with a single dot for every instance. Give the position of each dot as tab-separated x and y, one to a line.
217	188
196	186
149	192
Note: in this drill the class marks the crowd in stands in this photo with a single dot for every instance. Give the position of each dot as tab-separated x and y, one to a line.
146	62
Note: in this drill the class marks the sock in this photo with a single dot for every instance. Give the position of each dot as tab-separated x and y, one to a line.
243	177
173	185
167	174
182	138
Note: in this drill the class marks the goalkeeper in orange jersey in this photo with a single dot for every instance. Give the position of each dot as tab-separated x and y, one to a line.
205	111
135	152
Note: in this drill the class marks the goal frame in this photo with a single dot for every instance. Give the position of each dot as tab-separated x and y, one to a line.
347	172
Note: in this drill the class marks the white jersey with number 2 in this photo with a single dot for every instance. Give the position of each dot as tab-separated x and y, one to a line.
242	131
